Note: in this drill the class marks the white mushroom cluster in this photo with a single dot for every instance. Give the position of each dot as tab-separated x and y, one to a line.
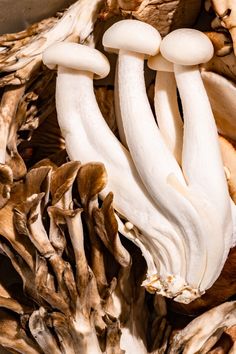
167	175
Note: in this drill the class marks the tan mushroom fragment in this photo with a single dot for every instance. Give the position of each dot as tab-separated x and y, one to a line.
222	45
76	22
224	111
22	110
204	331
219	76
14	337
163	15
8	108
226	12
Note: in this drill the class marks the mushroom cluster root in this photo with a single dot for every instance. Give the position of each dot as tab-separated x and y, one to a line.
78	287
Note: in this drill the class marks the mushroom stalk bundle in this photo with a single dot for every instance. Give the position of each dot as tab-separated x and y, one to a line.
88	138
198	207
153	223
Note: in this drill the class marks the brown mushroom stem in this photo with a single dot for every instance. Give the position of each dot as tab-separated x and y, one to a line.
41	333
13	336
93	175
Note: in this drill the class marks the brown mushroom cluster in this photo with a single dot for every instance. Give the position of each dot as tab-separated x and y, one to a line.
69	281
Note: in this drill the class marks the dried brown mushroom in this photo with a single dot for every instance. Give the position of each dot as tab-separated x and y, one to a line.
72	292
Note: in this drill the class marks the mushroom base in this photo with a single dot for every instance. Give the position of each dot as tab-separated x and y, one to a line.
173	286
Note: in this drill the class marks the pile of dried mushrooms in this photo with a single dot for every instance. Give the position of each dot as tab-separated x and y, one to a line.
117	235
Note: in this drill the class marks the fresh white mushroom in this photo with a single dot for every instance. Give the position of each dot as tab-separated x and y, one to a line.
88	138
166	105
155	163
201	159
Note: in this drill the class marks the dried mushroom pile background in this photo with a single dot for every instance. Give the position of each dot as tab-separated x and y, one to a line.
69	282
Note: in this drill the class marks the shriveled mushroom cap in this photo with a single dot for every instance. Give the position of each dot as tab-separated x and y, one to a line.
159	63
187	46
132	35
78	57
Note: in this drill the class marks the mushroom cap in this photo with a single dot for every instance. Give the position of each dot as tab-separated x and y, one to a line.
132	35
187	46
77	57
159	63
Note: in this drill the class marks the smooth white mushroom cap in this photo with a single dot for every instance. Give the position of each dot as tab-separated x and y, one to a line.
187	46
132	35
159	63
77	57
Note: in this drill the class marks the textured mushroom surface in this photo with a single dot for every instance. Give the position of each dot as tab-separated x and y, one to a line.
163	14
69	282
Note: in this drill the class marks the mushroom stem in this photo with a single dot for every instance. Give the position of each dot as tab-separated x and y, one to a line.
167	113
155	163
199	164
117	109
136	114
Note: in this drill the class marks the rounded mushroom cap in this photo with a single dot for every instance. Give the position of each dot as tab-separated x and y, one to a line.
132	35
187	46
159	63
78	57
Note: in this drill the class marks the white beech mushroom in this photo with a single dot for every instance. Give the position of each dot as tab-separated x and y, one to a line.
201	158
157	167
166	105
88	138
